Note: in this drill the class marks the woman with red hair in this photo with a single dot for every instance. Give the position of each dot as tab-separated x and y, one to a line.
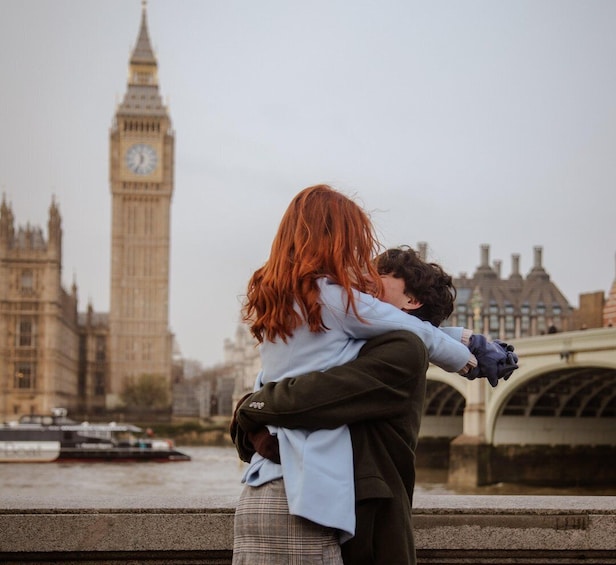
311	307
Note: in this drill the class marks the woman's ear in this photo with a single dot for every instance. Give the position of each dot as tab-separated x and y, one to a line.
412	304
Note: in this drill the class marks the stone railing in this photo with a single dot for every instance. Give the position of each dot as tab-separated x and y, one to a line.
448	530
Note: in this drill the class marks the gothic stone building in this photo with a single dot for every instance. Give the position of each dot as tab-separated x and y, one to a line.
49	354
38	319
141	175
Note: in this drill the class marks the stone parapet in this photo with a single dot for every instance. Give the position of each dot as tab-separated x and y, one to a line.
448	530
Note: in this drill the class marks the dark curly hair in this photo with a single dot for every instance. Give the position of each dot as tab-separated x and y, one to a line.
427	282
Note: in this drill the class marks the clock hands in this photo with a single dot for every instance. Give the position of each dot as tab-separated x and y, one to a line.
141	159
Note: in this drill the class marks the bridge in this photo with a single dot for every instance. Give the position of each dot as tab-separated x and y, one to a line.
558	407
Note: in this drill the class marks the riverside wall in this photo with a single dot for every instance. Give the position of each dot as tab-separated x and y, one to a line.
448	530
472	462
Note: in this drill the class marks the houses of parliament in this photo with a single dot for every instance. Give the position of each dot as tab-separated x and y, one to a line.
50	353
53	355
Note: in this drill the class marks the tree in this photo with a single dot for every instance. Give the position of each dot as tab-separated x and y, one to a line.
146	391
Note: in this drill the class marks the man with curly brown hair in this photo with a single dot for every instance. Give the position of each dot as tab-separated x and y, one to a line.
418	287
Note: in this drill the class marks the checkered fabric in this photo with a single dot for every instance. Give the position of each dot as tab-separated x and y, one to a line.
266	534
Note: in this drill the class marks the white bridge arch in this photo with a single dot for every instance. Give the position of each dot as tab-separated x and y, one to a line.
563	393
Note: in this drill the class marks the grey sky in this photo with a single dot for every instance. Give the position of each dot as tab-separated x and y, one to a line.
453	122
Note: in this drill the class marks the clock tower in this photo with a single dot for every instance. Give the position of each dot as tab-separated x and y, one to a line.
141	179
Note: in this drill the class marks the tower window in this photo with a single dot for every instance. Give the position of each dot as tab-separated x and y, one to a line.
494	318
100	348
147	351
27	280
24	377
149	218
99	383
25	332
143	78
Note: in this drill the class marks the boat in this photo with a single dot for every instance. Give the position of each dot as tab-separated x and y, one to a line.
57	438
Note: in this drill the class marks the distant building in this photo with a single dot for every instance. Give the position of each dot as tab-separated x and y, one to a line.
513	307
590	312
209	393
596	310
243	356
192	399
38	319
609	309
141	178
225	386
93	361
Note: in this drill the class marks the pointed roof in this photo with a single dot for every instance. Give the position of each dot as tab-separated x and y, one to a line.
142	97
143	53
537	290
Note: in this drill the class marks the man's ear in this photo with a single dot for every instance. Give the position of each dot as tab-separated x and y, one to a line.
412	304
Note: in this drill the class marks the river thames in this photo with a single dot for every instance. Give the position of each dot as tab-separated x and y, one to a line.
212	471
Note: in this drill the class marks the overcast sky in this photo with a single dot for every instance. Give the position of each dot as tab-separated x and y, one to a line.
455	122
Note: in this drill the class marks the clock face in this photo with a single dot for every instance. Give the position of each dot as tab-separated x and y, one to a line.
141	159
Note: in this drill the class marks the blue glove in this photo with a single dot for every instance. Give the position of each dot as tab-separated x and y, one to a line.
511	363
495	359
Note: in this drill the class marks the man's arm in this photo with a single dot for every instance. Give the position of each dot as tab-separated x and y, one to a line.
373	386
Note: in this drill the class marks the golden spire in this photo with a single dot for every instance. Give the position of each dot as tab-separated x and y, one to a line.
143	67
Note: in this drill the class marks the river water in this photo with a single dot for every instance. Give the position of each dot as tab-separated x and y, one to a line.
212	471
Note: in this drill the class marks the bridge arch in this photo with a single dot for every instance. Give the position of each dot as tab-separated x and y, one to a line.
444	405
572	404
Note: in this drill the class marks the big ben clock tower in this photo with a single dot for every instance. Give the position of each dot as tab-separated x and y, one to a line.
141	178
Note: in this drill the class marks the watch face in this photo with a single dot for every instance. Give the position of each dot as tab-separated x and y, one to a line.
141	159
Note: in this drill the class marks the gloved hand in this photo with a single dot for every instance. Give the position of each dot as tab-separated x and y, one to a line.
495	359
511	363
265	444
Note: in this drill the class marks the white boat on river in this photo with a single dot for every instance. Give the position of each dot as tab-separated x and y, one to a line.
55	437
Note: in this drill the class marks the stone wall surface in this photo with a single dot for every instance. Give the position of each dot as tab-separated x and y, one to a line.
448	530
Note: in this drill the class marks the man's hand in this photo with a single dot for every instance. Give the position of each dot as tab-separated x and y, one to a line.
511	362
265	444
495	359
246	443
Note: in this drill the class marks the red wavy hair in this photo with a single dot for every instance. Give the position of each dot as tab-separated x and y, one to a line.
322	233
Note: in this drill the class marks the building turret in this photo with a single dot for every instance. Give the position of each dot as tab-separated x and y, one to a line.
515	266
43	316
7	228
54	230
538	271
609	310
484	269
496	265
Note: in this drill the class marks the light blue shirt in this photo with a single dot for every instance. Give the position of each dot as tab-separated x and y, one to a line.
317	466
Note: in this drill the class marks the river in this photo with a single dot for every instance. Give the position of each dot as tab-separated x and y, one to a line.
212	471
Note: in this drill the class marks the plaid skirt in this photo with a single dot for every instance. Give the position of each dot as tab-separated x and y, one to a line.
266	534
